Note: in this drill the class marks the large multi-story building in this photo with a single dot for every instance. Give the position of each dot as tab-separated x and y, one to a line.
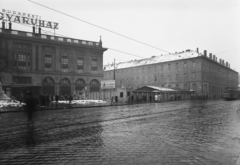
48	64
189	70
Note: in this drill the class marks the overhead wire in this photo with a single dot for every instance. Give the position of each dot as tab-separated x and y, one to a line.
98	26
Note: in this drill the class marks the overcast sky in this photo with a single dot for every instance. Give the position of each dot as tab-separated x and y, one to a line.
169	25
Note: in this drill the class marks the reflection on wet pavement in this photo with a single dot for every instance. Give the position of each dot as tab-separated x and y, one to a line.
182	132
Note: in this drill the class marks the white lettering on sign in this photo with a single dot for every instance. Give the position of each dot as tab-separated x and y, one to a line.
30	19
108	84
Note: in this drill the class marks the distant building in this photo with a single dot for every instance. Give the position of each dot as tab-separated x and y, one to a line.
52	64
189	70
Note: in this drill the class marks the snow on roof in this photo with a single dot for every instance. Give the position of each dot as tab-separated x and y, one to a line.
162	89
153	60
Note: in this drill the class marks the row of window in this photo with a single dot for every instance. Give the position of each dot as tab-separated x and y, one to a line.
162	78
213	66
65	63
22	62
148	69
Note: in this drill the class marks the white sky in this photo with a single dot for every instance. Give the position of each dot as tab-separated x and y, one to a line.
171	25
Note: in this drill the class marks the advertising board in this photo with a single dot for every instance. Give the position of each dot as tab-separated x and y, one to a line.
108	84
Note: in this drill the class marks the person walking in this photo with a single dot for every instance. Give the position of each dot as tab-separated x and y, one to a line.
30	106
116	100
56	99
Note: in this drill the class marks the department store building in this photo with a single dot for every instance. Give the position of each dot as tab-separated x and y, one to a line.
48	64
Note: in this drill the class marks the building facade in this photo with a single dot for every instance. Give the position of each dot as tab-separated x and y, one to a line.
49	64
189	70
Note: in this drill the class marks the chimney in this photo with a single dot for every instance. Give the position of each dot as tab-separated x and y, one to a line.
214	57
205	53
226	64
229	65
3	25
197	50
210	55
34	29
223	62
220	61
10	25
39	30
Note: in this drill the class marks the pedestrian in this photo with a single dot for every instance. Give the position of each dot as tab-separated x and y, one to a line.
156	98
30	106
70	99
116	100
112	100
132	99
21	97
56	99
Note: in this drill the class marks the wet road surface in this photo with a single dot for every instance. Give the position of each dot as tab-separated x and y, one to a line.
181	132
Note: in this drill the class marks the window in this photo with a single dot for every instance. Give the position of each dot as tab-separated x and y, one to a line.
193	75
185	64
194	87
162	77
169	77
177	86
155	78
194	64
185	86
121	94
79	64
169	66
162	68
48	62
22	60
185	76
128	93
177	77
176	65
64	63
94	64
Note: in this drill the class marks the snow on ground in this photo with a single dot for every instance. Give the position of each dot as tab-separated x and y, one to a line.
10	103
82	102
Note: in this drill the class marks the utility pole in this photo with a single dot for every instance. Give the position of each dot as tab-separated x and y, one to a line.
114	69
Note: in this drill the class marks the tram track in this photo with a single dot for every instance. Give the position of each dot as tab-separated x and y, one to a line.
147	114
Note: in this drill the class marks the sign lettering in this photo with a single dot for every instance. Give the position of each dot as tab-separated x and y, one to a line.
30	19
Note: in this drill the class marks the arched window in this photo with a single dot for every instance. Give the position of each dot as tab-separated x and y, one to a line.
48	86
65	86
65	81
80	85
94	86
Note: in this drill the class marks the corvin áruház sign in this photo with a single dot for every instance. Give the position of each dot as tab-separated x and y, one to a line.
25	18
